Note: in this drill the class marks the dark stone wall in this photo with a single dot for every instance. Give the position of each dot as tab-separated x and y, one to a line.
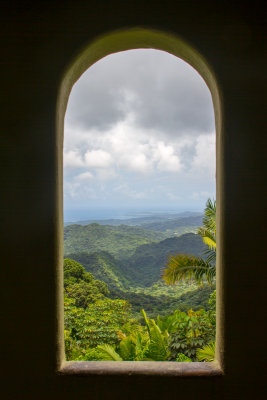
39	41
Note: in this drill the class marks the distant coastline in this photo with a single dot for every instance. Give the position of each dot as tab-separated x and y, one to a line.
108	215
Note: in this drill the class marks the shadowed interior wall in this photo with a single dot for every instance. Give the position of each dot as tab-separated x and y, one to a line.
39	42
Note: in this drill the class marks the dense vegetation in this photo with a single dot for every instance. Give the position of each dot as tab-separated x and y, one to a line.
137	278
186	266
141	266
117	307
100	328
117	240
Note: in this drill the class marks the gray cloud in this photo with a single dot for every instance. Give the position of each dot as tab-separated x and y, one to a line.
162	93
139	130
187	154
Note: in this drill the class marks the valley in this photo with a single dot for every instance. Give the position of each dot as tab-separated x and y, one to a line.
130	256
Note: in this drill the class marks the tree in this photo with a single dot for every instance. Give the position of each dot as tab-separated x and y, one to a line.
185	267
81	285
147	344
190	331
98	323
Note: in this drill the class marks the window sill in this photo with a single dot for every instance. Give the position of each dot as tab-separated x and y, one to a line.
128	368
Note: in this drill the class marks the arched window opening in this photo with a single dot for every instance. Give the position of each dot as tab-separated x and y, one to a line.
109	44
139	165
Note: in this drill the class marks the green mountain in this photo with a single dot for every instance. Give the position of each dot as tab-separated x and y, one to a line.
185	298
175	226
104	267
145	266
141	267
140	220
120	241
130	261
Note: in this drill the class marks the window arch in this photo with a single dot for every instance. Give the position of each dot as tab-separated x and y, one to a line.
108	44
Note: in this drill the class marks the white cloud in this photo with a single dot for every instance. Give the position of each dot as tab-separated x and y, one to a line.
85	176
72	159
204	160
98	159
166	158
105	174
136	162
71	189
149	136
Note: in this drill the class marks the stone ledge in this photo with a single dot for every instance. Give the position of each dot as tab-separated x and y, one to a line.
152	368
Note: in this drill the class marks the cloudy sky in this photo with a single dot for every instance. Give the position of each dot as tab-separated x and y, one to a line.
139	134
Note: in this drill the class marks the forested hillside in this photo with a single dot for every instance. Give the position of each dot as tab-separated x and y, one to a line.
132	262
146	264
173	223
117	307
105	267
167	225
140	266
140	221
98	327
119	241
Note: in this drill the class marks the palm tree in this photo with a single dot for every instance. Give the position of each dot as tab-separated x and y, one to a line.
151	345
207	353
186	267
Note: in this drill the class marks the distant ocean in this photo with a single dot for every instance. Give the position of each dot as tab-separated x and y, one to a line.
102	214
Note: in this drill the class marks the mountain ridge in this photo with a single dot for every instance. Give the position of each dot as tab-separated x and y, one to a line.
117	240
140	267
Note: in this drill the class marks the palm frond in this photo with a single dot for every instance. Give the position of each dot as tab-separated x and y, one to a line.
185	267
107	353
157	348
147	322
208	237
127	349
182	358
207	353
209	219
210	256
139	348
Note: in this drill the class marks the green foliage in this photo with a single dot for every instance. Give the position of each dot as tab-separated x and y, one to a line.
144	267
90	317
85	293
99	323
190	331
207	353
105	267
98	328
149	343
88	354
141	267
102	328
208	231
119	241
125	277
182	267
196	299
157	347
73	272
177	337
81	285
166	299
175	226
108	353
182	358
